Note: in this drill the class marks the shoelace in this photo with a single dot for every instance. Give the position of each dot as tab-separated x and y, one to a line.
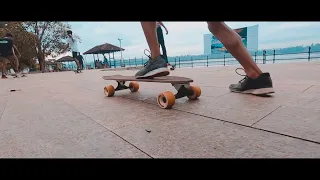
146	54
245	76
149	56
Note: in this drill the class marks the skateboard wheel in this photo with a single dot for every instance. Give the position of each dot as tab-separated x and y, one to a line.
196	92
109	90
134	86
166	100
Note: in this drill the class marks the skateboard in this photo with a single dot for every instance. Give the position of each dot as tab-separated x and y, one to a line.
22	75
77	71
165	99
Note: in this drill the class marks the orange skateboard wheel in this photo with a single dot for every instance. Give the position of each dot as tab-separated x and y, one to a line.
109	90
134	86
196	92
166	100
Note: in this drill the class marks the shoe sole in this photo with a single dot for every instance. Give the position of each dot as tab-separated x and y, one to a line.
261	91
156	73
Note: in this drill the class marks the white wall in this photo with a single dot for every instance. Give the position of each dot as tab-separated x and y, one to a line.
253	39
207	43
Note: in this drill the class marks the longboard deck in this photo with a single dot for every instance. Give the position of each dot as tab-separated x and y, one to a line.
22	75
163	79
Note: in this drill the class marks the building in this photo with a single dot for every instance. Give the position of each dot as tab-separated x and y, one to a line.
249	36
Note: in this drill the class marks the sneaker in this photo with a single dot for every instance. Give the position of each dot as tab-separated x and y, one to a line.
4	77
154	68
259	86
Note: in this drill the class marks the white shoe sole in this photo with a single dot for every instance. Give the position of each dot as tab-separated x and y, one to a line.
156	73
261	91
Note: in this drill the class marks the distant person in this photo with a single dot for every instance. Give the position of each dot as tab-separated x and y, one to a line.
96	64
105	61
74	48
9	54
255	81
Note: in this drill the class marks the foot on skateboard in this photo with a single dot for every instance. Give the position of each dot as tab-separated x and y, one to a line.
154	68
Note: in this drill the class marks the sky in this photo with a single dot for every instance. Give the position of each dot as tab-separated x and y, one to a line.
186	38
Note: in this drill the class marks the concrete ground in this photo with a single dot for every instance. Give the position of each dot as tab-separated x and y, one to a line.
66	115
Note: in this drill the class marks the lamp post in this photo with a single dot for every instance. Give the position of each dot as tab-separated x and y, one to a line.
120	52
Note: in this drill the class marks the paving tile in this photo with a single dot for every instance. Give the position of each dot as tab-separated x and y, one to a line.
67	115
238	108
190	136
312	90
123	112
3	103
298	117
27	132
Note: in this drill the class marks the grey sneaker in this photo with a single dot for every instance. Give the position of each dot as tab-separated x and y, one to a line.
154	68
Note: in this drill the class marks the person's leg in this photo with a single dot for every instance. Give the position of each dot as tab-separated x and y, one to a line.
17	63
161	43
3	64
255	81
80	63
157	65
14	61
149	29
232	41
75	55
80	60
4	69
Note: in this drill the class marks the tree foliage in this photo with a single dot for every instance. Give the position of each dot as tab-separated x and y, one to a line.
50	38
23	40
37	40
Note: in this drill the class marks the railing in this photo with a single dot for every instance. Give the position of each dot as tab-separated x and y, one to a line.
262	57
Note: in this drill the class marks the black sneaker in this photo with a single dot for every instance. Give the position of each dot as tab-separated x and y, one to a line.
154	68
259	86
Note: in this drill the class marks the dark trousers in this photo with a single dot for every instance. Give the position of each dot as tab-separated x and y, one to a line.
161	43
80	59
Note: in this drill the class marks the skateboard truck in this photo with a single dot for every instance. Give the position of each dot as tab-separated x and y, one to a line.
110	90
182	90
121	85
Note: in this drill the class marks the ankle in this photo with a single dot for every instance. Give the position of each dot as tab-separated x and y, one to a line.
154	55
253	74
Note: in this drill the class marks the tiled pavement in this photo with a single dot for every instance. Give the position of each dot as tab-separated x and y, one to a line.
67	115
